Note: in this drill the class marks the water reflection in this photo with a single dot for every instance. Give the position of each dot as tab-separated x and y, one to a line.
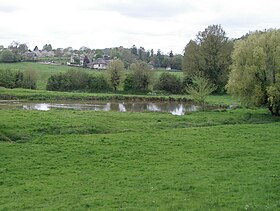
174	108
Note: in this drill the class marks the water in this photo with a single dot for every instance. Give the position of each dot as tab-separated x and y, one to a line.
175	108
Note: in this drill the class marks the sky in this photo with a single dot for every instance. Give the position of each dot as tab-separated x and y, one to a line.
153	24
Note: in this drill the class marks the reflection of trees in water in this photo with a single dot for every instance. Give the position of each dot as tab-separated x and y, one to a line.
121	107
153	107
170	107
107	107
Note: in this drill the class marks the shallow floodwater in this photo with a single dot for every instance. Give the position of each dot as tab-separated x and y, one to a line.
175	108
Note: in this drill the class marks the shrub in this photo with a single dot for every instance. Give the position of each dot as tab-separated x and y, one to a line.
98	84
200	89
169	83
10	79
7	78
128	83
29	79
77	80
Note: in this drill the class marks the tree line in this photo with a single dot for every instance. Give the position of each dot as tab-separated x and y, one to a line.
139	79
17	52
248	68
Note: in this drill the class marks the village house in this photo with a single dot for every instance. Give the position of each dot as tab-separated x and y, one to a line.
99	64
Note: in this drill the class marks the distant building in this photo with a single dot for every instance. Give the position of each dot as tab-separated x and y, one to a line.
99	64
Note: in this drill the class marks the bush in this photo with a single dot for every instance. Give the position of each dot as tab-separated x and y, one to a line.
142	76
29	79
200	89
169	83
77	80
7	78
98	84
8	57
128	83
26	79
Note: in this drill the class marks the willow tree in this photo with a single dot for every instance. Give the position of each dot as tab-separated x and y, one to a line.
255	70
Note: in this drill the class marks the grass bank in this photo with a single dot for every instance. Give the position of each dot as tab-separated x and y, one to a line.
78	160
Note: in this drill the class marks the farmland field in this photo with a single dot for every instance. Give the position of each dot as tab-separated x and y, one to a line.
78	160
46	70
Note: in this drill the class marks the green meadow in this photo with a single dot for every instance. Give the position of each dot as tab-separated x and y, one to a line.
88	160
46	70
94	160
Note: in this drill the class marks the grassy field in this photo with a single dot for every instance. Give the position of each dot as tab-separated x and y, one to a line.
86	160
44	70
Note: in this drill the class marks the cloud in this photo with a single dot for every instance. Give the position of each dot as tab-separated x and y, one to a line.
5	8
147	9
158	24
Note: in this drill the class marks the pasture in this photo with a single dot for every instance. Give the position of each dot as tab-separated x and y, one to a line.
44	71
79	160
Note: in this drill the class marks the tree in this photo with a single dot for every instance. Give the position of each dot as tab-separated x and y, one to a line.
142	75
47	47
209	55
8	56
14	46
115	73
255	70
86	61
192	60
169	83
134	50
29	79
200	88
22	48
176	62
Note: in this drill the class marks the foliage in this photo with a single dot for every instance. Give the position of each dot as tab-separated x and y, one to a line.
209	55
200	89
47	47
128	83
142	76
8	56
77	80
7	78
273	93
11	79
176	62
72	80
169	83
29	79
187	81
254	71
115	73
98	84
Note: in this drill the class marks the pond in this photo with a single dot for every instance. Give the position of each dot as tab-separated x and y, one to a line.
175	108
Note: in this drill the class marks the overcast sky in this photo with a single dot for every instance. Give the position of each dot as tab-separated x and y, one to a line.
153	24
